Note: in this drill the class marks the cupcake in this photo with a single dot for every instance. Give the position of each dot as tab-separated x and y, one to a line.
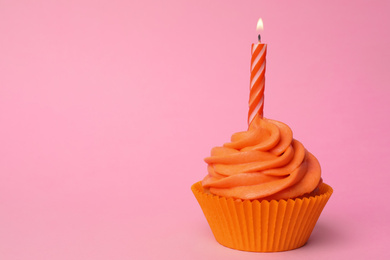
263	191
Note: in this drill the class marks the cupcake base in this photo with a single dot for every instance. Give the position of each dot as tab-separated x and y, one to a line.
261	225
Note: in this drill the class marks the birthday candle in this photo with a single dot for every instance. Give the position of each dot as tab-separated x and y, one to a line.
257	79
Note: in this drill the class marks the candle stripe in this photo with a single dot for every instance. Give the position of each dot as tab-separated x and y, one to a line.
257	81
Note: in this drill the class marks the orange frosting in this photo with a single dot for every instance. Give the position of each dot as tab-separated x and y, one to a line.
264	162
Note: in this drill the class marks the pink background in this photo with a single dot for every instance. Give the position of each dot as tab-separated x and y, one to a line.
107	109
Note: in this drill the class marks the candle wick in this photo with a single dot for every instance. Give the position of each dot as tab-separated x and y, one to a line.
259	37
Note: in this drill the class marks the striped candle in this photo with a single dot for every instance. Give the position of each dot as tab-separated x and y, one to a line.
256	96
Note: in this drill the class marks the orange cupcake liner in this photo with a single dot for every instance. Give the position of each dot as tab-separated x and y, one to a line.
262	226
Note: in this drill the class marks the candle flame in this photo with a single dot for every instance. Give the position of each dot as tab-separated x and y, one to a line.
260	25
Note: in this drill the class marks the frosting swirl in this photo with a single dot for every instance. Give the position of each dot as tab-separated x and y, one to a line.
264	162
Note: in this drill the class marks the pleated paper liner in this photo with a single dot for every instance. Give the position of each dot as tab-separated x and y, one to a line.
262	226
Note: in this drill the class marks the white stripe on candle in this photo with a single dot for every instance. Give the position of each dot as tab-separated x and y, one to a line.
258	56
257	108
256	77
